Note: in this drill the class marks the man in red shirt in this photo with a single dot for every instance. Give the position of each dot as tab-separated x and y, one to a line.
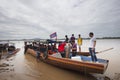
61	49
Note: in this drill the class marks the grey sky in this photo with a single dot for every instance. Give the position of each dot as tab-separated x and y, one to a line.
39	18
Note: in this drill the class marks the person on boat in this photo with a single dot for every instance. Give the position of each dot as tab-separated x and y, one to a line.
92	47
49	49
66	38
79	41
54	48
25	48
74	48
72	39
37	55
41	51
42	48
68	47
61	49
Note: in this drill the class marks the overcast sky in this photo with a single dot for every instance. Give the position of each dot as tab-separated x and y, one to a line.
21	19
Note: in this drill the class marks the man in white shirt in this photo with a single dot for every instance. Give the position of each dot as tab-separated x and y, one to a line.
92	47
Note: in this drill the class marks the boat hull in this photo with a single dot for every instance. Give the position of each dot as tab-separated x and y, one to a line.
80	66
8	54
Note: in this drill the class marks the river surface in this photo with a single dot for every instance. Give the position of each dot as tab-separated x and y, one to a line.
25	67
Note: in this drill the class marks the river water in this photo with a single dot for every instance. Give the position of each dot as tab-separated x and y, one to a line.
25	67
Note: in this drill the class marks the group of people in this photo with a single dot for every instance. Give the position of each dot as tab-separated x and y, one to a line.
72	40
39	48
68	48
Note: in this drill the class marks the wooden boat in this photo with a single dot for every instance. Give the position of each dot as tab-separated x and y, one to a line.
7	49
11	53
83	65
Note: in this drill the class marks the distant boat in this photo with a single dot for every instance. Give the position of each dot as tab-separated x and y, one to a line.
7	49
78	63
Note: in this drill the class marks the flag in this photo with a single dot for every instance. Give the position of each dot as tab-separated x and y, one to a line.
53	35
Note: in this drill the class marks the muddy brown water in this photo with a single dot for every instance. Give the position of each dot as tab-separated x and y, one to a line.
25	67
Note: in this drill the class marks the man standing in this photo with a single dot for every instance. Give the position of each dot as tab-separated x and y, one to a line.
66	38
25	47
92	47
79	42
74	49
72	39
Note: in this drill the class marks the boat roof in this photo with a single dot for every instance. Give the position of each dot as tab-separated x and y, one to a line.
3	42
53	41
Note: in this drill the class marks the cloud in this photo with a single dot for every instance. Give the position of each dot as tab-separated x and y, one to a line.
39	18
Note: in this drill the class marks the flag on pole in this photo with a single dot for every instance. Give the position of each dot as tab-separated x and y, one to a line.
53	35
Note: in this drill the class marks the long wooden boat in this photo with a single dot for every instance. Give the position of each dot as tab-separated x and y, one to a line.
8	54
7	49
11	53
83	65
